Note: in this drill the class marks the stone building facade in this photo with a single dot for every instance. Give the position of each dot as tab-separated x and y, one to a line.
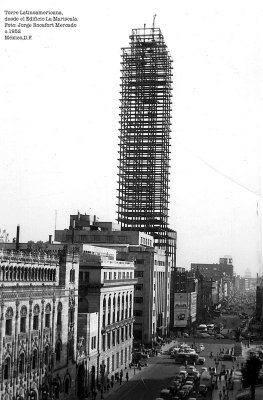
38	335
105	324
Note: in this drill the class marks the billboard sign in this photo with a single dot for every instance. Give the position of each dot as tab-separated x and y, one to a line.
181	312
193	306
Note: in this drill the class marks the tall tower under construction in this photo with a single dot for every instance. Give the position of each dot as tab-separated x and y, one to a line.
145	127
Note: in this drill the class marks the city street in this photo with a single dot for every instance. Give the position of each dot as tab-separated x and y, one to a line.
147	384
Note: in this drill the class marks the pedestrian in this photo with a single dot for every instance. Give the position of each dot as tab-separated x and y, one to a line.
112	381
220	395
127	377
120	379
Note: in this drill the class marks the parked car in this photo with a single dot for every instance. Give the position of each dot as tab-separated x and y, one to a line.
182	394
204	335
219	336
200	361
202	389
187	388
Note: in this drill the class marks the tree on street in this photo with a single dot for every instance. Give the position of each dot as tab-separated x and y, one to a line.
250	373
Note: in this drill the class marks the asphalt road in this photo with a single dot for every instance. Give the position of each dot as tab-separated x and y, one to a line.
147	384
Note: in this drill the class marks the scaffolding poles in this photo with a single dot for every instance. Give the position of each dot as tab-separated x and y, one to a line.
145	121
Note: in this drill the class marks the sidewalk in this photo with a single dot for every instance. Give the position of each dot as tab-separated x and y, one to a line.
133	372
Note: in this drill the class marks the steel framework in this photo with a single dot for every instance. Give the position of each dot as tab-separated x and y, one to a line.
145	126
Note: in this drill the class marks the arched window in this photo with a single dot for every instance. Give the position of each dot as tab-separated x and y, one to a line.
47	315
71	315
67	385
15	273
59	317
34	358
6	368
21	363
72	276
46	355
8	322
58	350
23	314
36	312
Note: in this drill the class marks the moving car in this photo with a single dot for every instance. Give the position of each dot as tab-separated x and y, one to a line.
201	347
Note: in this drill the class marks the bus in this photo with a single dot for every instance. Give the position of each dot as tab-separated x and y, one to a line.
181	358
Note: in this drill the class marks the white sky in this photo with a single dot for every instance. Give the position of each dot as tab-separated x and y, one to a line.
59	116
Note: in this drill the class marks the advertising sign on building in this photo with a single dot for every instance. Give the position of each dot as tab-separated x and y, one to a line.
181	312
193	305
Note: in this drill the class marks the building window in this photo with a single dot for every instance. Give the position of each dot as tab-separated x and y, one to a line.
112	362
118	336
58	350
23	324
105	275
110	275
123	275
122	334
35	322
46	355
7	365
34	359
47	320
59	317
21	364
93	342
138	287
108	340
72	276
103	342
8	327
8	323
137	313
47	315
138	300
113	338
139	261
138	274
121	357
117	360
109	310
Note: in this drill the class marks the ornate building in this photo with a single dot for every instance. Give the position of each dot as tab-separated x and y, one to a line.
38	325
